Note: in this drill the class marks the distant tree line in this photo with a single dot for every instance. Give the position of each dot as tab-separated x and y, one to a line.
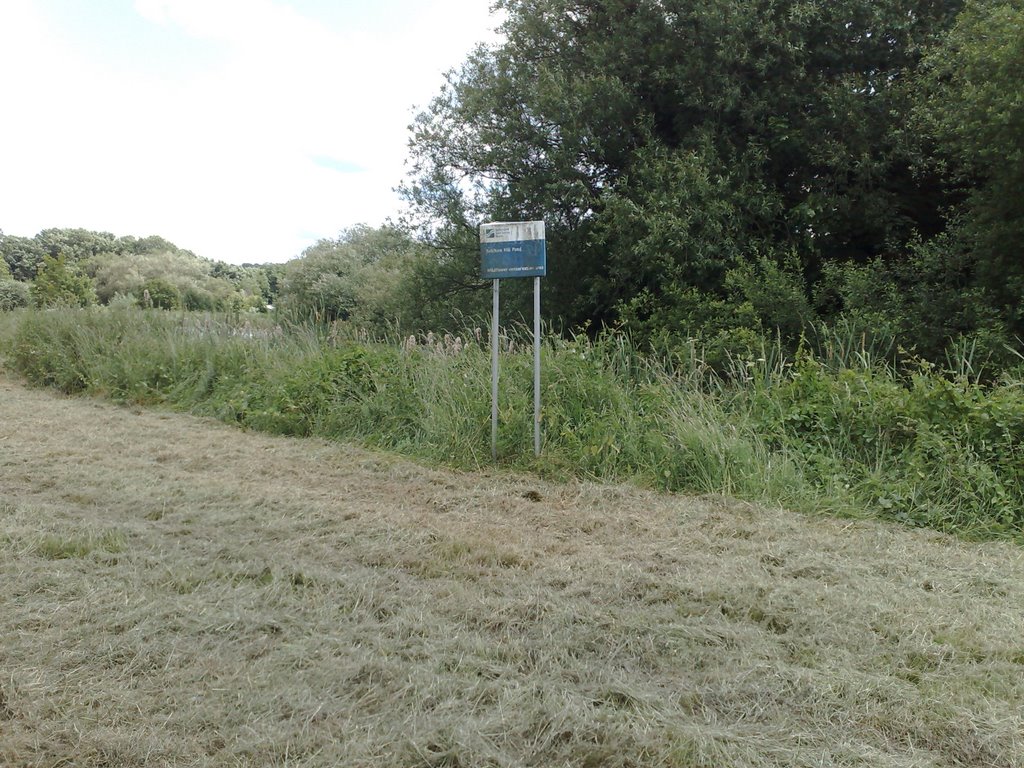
371	276
78	267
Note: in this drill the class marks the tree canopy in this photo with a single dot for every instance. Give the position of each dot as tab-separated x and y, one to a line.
971	104
78	266
365	275
684	153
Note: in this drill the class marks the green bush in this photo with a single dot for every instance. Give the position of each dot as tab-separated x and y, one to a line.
14	295
158	293
59	284
926	447
927	300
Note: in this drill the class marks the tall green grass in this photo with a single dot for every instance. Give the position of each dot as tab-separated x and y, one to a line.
843	429
8	325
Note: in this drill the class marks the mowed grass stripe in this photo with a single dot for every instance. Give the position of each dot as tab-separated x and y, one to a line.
177	592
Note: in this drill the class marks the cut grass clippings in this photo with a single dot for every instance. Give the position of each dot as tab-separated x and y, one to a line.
249	600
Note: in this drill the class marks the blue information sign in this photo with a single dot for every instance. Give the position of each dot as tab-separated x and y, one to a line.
512	249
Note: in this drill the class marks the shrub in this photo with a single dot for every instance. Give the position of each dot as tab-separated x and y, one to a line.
59	285
13	295
160	294
924	447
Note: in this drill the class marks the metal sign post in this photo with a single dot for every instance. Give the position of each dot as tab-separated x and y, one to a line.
536	366
514	249
494	371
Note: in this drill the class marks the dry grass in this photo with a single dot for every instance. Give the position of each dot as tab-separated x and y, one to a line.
175	592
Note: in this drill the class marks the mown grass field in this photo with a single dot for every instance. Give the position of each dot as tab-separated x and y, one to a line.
178	592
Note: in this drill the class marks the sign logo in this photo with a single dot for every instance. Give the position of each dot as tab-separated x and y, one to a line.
512	249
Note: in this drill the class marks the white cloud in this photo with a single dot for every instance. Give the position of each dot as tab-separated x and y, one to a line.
223	159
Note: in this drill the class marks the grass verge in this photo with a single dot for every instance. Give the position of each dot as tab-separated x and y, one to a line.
930	448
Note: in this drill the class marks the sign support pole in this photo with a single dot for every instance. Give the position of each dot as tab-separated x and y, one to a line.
536	366
494	371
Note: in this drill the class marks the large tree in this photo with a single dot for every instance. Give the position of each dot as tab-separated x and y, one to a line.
970	104
22	255
669	143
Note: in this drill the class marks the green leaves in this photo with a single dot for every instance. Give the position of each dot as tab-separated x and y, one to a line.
120	269
365	275
59	285
667	143
970	102
13	295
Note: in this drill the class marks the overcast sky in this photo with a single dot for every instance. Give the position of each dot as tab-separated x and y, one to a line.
242	130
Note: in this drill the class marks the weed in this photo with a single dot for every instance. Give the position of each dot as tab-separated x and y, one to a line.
63	546
854	428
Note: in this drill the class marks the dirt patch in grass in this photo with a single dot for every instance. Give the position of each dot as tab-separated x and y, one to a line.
176	592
